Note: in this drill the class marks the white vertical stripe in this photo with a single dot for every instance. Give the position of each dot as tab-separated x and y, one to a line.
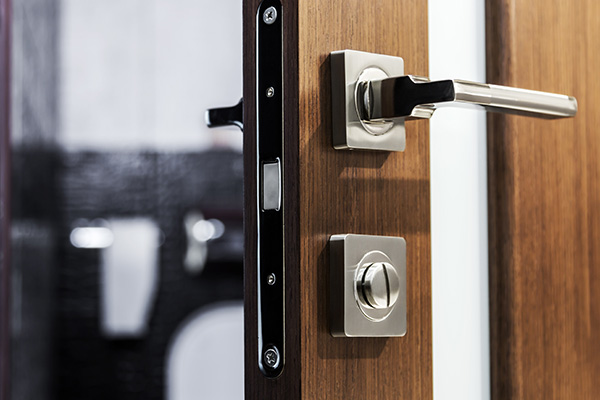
459	208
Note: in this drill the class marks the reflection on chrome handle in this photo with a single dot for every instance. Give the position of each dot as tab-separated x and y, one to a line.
416	97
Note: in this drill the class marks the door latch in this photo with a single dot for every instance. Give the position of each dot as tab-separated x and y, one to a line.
225	116
371	99
270	183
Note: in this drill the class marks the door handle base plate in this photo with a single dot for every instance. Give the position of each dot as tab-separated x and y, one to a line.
350	316
348	67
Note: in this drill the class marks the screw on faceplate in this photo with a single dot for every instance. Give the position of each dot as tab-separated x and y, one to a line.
271	279
271	357
270	91
270	15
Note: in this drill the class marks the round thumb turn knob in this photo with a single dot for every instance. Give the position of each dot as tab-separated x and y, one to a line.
378	285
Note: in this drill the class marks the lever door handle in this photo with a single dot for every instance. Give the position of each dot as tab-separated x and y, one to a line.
372	97
417	97
225	116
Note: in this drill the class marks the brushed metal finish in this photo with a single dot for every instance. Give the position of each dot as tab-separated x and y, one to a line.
350	131
380	313
271	186
378	285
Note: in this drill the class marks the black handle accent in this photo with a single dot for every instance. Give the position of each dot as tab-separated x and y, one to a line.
225	116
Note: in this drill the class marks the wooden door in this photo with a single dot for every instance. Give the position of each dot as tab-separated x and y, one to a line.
329	192
544	204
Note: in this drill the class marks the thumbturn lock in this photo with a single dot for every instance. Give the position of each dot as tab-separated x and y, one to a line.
368	285
378	285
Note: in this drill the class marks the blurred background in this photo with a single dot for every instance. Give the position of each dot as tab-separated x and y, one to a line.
127	210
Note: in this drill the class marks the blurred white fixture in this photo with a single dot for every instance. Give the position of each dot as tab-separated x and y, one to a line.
206	355
129	277
91	237
199	232
205	230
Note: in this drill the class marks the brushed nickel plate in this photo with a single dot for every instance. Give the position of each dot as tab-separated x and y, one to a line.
347	67
348	315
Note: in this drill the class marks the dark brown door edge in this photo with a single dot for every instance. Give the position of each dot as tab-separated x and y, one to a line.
5	13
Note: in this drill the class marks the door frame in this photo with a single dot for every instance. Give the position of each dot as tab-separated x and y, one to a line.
5	169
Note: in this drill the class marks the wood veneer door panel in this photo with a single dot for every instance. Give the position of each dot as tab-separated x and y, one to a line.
331	192
544	204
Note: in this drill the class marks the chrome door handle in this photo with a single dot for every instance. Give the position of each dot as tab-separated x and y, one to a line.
417	97
372	97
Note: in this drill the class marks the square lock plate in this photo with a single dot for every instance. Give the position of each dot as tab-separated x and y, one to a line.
354	313
349	132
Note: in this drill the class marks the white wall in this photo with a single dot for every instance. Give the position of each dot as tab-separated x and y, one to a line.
214	333
459	208
139	74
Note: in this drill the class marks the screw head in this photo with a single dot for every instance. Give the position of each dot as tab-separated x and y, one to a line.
270	15
271	357
271	279
271	91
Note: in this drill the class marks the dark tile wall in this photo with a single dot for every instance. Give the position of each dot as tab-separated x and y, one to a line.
33	273
34	216
164	187
58	351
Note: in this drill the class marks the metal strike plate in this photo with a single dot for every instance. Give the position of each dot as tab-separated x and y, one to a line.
270	187
347	68
350	314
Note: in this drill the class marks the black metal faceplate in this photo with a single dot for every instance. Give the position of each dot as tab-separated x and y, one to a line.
269	134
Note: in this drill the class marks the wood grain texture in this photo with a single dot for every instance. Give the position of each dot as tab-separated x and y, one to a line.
362	192
544	204
330	192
